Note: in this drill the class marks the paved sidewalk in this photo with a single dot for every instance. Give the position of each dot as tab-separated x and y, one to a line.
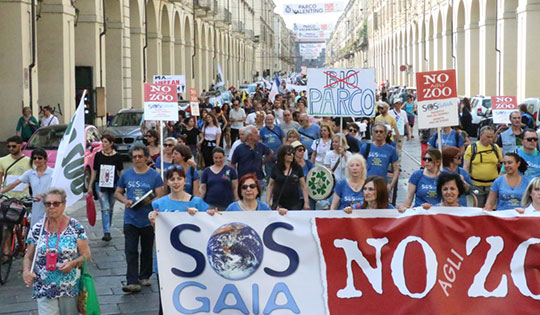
108	268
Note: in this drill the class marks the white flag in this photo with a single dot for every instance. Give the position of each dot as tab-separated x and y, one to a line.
68	171
275	89
220	79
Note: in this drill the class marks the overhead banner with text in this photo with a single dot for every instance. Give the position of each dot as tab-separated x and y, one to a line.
314	8
322	262
341	92
437	99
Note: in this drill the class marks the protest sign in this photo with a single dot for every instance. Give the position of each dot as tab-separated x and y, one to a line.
437	99
376	261
502	107
194	102
341	92
178	80
160	102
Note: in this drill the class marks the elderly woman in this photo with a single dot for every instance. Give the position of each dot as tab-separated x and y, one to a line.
375	193
108	166
423	183
39	177
285	178
508	189
531	198
27	124
219	182
61	245
181	157
452	159
168	148
348	191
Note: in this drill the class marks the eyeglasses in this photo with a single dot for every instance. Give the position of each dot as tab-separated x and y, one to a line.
38	158
290	152
148	136
245	187
53	204
168	145
352	130
379	131
12	146
427	159
531	139
300	150
135	157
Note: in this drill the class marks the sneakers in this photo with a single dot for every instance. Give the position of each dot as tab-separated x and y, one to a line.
131	288
107	237
145	282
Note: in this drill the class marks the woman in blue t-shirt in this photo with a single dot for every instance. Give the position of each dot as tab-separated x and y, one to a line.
168	148
452	159
181	157
219	182
348	191
376	195
450	187
507	190
423	183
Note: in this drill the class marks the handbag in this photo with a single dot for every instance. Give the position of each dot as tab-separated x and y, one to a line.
87	301
11	211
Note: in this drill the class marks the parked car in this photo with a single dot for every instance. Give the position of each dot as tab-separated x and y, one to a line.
49	138
126	128
479	104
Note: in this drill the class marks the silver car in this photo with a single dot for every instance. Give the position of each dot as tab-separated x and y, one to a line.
126	128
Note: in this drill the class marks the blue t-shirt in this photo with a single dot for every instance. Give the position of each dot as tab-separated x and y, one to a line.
219	190
188	186
250	160
347	196
448	140
165	164
426	188
509	198
533	161
461	171
166	204
308	135
135	186
261	206
272	138
379	158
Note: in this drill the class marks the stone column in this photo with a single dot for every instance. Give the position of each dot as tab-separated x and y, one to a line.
460	61
115	65
153	56
508	44
487	57
528	15
137	71
167	53
179	61
471	59
56	57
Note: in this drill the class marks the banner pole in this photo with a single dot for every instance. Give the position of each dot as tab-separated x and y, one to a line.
161	147
440	141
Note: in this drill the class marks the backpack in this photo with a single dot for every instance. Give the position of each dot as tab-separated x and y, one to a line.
474	150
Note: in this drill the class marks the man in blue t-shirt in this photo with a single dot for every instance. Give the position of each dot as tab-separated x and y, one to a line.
272	136
529	153
308	132
249	156
133	184
379	155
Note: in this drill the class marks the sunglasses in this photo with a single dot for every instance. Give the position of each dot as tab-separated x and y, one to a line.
427	159
300	150
379	131
290	152
168	145
531	139
38	158
54	204
245	187
148	136
352	130
12	146
135	157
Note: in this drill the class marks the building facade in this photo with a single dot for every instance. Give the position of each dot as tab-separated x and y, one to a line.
52	50
491	44
284	47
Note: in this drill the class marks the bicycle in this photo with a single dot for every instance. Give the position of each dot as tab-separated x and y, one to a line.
14	227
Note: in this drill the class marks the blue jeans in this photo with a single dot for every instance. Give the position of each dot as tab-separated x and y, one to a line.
106	201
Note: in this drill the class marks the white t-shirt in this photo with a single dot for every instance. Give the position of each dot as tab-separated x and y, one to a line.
51	121
321	147
237	114
210	133
401	119
362	128
279	115
250	119
331	159
530	209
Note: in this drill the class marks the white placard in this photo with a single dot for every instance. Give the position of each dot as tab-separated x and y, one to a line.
178	80
106	176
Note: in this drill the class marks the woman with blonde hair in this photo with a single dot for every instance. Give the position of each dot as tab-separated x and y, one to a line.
336	159
531	198
348	191
322	145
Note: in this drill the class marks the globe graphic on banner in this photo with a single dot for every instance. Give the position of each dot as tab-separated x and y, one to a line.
235	251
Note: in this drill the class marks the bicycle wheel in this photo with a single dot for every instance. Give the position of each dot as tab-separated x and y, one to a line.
7	242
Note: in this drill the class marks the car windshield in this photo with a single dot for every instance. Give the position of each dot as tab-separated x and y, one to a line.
127	119
47	138
486	103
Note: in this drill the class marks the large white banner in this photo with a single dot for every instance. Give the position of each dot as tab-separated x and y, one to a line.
341	92
68	171
370	262
314	8
178	80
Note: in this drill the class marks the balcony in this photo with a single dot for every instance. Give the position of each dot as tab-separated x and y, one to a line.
223	17
249	35
202	7
238	27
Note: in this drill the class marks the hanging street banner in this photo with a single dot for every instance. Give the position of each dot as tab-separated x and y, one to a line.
313	35
160	102
369	262
341	92
314	8
68	172
178	80
502	107
437	99
312	27
194	102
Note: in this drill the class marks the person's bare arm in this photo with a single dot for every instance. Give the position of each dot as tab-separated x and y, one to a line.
234	183
335	202
491	202
119	195
202	190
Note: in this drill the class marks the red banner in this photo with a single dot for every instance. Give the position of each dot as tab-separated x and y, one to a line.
431	264
504	103
434	85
